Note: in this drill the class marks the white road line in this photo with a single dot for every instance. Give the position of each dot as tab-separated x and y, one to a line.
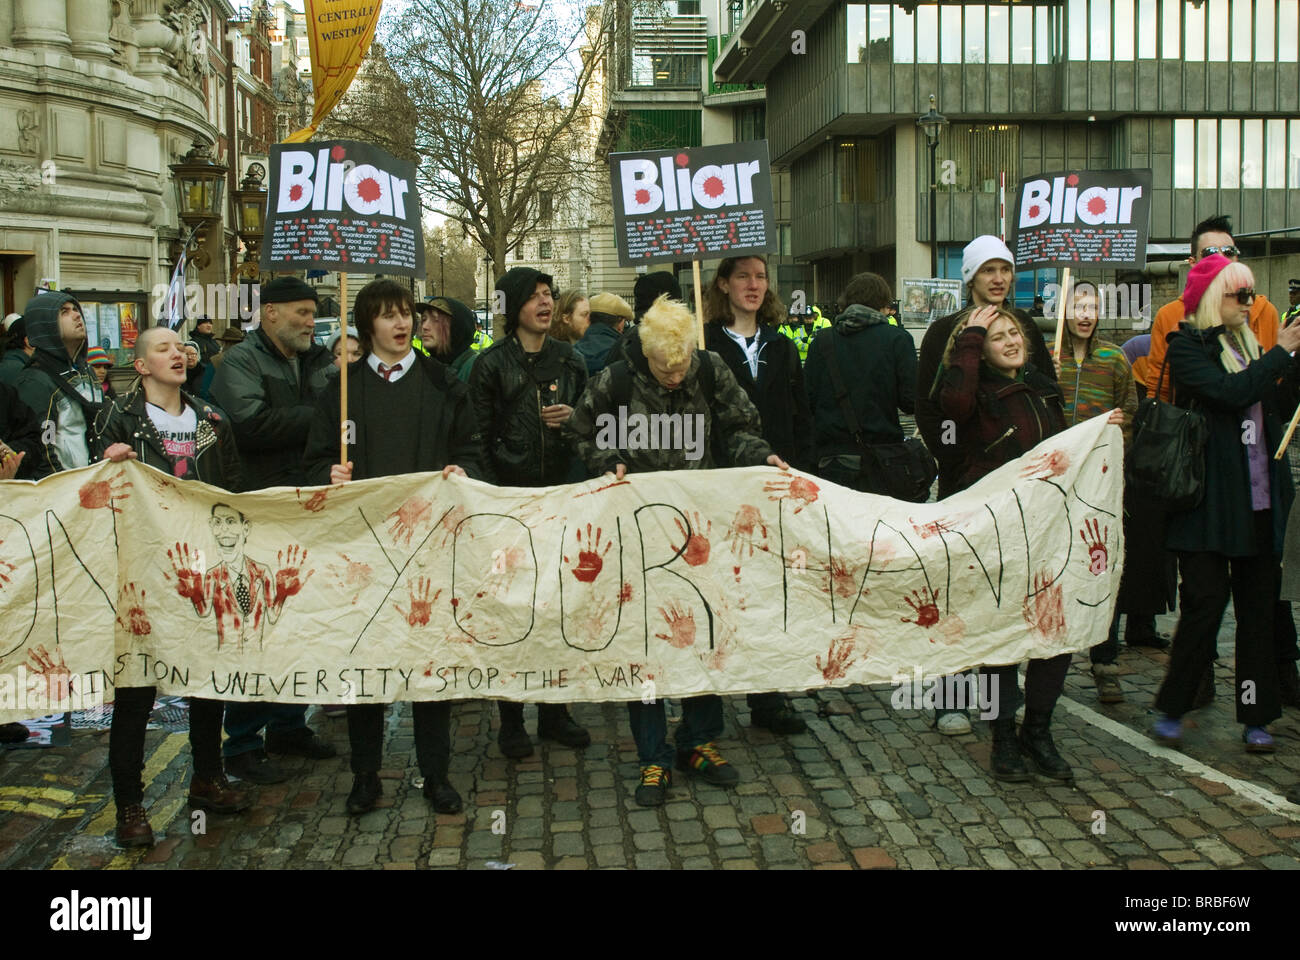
1275	803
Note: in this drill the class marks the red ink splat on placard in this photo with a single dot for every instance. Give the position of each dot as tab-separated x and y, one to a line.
1097	206
625	594
843	579
697	544
368	189
316	502
839	657
1072	179
1035	210
681	625
642	197
713	186
338	153
1044	611
224	606
925	603
612	483
295	193
1094	538
353	575
682	159
97	494
741	534
455	601
58	678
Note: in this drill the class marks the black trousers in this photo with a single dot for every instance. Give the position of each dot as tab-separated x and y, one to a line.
1044	681
1208	579
432	737
512	714
131	710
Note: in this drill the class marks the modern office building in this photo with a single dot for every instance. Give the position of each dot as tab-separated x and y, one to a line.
1206	94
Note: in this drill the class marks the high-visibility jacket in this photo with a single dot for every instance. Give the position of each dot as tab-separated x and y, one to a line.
802	335
481	341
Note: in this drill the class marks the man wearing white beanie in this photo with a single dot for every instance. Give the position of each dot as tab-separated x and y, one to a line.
988	271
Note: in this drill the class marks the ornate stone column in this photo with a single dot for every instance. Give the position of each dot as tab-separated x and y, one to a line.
40	23
88	26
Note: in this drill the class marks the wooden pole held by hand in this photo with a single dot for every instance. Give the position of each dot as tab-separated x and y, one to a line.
1286	437
343	369
699	303
1060	312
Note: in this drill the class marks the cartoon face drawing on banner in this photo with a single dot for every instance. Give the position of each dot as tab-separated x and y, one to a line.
241	594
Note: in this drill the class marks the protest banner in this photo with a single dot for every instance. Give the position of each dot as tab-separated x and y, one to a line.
925	300
1072	218
693	204
339	33
419	588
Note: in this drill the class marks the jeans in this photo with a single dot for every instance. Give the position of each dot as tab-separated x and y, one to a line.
1208	579
432	720
131	710
1044	681
1107	652
244	723
701	723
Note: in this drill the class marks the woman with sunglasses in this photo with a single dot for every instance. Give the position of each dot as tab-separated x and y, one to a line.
1229	543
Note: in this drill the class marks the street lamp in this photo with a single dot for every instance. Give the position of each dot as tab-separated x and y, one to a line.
200	186
249	203
487	284
932	123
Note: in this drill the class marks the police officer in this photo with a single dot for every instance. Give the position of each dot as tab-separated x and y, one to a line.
801	329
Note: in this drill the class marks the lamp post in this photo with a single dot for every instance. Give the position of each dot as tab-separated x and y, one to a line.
249	203
932	123
442	272
200	186
487	284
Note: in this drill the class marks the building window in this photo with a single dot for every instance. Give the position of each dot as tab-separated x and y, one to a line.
904	35
1288	30
1264	41
1077	17
1100	30
544	250
1230	154
950	34
545	205
1275	155
750	123
974	34
1193	31
1171	29
1022	34
999	35
1252	153
857	32
980	152
927	34
1207	153
1237	154
1184	154
855	170
1125	29
1218	19
878	36
1241	31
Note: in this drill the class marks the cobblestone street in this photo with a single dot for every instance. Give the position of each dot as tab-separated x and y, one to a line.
866	787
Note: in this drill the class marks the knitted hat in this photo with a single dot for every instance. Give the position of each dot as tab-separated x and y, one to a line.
650	286
1199	278
979	252
338	334
609	308
98	356
518	284
286	290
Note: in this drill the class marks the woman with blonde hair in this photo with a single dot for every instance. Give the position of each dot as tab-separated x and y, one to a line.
573	317
1230	542
1003	407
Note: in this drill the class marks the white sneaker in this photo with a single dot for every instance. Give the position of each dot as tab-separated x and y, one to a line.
953	724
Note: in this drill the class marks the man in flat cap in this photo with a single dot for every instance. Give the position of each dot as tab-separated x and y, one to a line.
268	385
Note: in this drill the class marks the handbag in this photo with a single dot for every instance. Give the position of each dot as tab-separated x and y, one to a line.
903	471
1166	460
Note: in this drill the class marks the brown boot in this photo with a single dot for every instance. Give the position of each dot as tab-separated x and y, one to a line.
1106	676
218	795
133	828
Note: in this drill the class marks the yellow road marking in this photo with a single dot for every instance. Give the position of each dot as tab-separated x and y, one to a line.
57	794
164	755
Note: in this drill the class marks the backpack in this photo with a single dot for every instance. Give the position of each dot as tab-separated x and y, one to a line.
620	387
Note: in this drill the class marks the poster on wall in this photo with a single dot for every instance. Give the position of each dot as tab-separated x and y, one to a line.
110	331
128	319
925	299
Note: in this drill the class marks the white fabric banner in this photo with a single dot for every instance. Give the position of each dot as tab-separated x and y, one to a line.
664	584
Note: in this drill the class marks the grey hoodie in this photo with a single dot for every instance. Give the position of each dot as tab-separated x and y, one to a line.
62	390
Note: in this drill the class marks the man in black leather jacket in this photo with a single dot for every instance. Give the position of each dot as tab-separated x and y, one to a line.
523	389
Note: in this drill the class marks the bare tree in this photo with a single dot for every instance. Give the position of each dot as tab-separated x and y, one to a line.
451	262
494	98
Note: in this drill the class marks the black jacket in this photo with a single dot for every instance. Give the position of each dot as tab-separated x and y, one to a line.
270	410
209	347
20	429
508	394
443	428
1223	522
125	420
778	393
929	418
877	362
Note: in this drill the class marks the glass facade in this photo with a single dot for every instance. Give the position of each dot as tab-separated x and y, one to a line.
978	154
1232	154
1080	30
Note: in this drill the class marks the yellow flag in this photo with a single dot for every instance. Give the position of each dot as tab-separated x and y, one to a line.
339	33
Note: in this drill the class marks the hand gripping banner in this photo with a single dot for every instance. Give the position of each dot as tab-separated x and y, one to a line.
664	584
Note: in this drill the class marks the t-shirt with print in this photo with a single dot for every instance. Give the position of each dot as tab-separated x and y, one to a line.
178	437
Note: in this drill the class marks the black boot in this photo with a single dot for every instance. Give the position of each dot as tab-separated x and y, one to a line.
1289	680
1006	760
366	791
1036	742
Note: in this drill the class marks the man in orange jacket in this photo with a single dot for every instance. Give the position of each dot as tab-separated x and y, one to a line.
1210	236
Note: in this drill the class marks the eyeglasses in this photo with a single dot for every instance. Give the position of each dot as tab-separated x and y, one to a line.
1245	296
1231	253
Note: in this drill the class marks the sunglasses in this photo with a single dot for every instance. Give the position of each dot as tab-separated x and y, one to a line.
1229	252
1245	296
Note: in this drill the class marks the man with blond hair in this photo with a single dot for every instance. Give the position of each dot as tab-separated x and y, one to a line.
662	374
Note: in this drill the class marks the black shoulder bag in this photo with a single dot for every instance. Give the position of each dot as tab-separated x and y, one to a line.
1166	460
903	471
